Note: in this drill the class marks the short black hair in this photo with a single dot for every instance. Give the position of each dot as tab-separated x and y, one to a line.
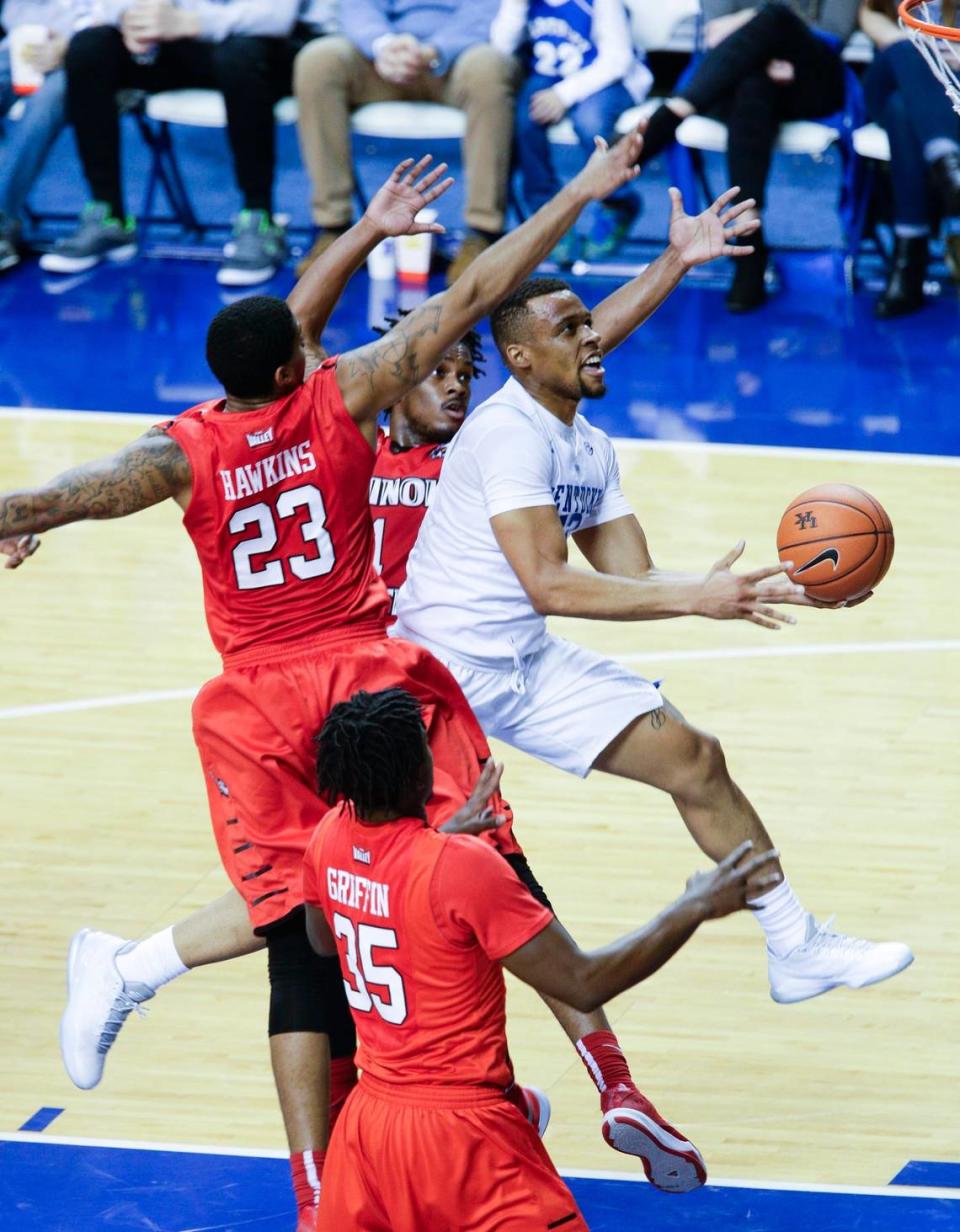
370	752
509	317
471	340
248	341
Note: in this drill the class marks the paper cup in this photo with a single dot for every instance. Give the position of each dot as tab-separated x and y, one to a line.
26	78
413	253
381	263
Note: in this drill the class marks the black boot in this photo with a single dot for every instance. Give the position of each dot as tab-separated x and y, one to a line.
945	173
904	289
747	291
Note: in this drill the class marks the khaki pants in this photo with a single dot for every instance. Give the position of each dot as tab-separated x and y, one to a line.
331	78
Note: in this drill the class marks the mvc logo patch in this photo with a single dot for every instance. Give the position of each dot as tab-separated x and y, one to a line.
361	854
254	439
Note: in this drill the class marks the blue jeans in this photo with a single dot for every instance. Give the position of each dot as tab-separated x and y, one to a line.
27	141
595	116
905	98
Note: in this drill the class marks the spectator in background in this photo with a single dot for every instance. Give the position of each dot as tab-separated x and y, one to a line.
30	139
244	49
426	50
762	66
579	61
907	100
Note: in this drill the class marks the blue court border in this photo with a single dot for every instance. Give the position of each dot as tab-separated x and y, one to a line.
77	1185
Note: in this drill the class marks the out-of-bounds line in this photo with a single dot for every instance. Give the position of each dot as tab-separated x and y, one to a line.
620	442
881	1191
653	658
96	703
790	652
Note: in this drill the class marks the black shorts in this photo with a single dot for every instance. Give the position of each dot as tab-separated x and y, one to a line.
523	870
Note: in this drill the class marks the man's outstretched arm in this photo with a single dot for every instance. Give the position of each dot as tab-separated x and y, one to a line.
693	241
392	211
143	473
377	375
555	966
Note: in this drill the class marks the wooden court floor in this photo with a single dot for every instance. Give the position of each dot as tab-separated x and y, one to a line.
843	730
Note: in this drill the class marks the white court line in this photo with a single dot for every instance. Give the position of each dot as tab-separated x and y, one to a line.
96	703
663	656
627	443
126	1144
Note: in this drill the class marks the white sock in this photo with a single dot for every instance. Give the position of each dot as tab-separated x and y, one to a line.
153	962
781	916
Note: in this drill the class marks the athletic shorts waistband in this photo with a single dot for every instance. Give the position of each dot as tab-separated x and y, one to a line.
495	666
434	1095
334	639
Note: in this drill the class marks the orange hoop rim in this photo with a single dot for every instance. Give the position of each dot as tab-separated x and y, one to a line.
951	33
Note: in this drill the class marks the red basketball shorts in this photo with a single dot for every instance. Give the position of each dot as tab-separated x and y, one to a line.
255	727
462	1162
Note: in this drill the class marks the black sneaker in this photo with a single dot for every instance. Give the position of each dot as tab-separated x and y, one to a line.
99	237
257	249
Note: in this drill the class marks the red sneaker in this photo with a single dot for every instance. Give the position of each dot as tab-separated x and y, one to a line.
306	1219
537	1109
632	1125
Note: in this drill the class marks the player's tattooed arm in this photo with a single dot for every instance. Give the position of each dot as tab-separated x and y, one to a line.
409	188
378	374
141	474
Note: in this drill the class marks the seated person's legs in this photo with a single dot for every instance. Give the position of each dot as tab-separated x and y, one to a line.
482	83
253	74
598	115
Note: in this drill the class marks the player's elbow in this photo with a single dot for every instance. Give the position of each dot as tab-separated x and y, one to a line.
548	593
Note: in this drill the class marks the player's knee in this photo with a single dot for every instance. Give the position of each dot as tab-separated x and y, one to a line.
706	767
306	991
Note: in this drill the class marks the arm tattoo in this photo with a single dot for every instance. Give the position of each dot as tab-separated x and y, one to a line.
141	474
385	370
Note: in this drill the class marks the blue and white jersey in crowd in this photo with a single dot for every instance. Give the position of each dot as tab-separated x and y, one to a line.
584	45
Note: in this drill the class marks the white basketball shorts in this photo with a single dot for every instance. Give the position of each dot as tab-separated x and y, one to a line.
563	704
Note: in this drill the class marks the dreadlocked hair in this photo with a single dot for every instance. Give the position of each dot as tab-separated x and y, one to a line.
470	340
370	752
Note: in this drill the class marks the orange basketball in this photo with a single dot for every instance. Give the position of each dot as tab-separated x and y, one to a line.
839	539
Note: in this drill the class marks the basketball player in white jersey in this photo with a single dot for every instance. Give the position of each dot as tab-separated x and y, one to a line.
525	472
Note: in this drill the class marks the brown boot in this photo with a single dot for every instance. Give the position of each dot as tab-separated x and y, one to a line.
325	238
472	247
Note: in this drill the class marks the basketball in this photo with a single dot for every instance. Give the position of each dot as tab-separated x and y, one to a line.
839	539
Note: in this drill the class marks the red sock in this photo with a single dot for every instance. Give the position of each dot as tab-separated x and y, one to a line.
306	1168
343	1078
603	1057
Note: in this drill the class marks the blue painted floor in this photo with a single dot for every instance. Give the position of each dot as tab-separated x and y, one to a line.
812	369
50	1187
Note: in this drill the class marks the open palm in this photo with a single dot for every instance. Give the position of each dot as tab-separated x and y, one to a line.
409	189
704	237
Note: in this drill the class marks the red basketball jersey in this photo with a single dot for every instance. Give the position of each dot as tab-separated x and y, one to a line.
420	919
280	520
401	489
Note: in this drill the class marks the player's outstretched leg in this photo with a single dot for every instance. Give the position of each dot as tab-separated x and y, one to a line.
99	1001
805	958
103	968
630	1124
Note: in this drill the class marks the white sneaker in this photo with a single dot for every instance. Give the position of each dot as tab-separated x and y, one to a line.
828	960
98	1003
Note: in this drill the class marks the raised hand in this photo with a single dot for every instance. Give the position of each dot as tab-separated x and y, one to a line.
729	596
740	876
709	235
476	815
409	189
18	549
608	168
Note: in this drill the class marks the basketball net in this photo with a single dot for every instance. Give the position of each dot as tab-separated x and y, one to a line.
932	26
